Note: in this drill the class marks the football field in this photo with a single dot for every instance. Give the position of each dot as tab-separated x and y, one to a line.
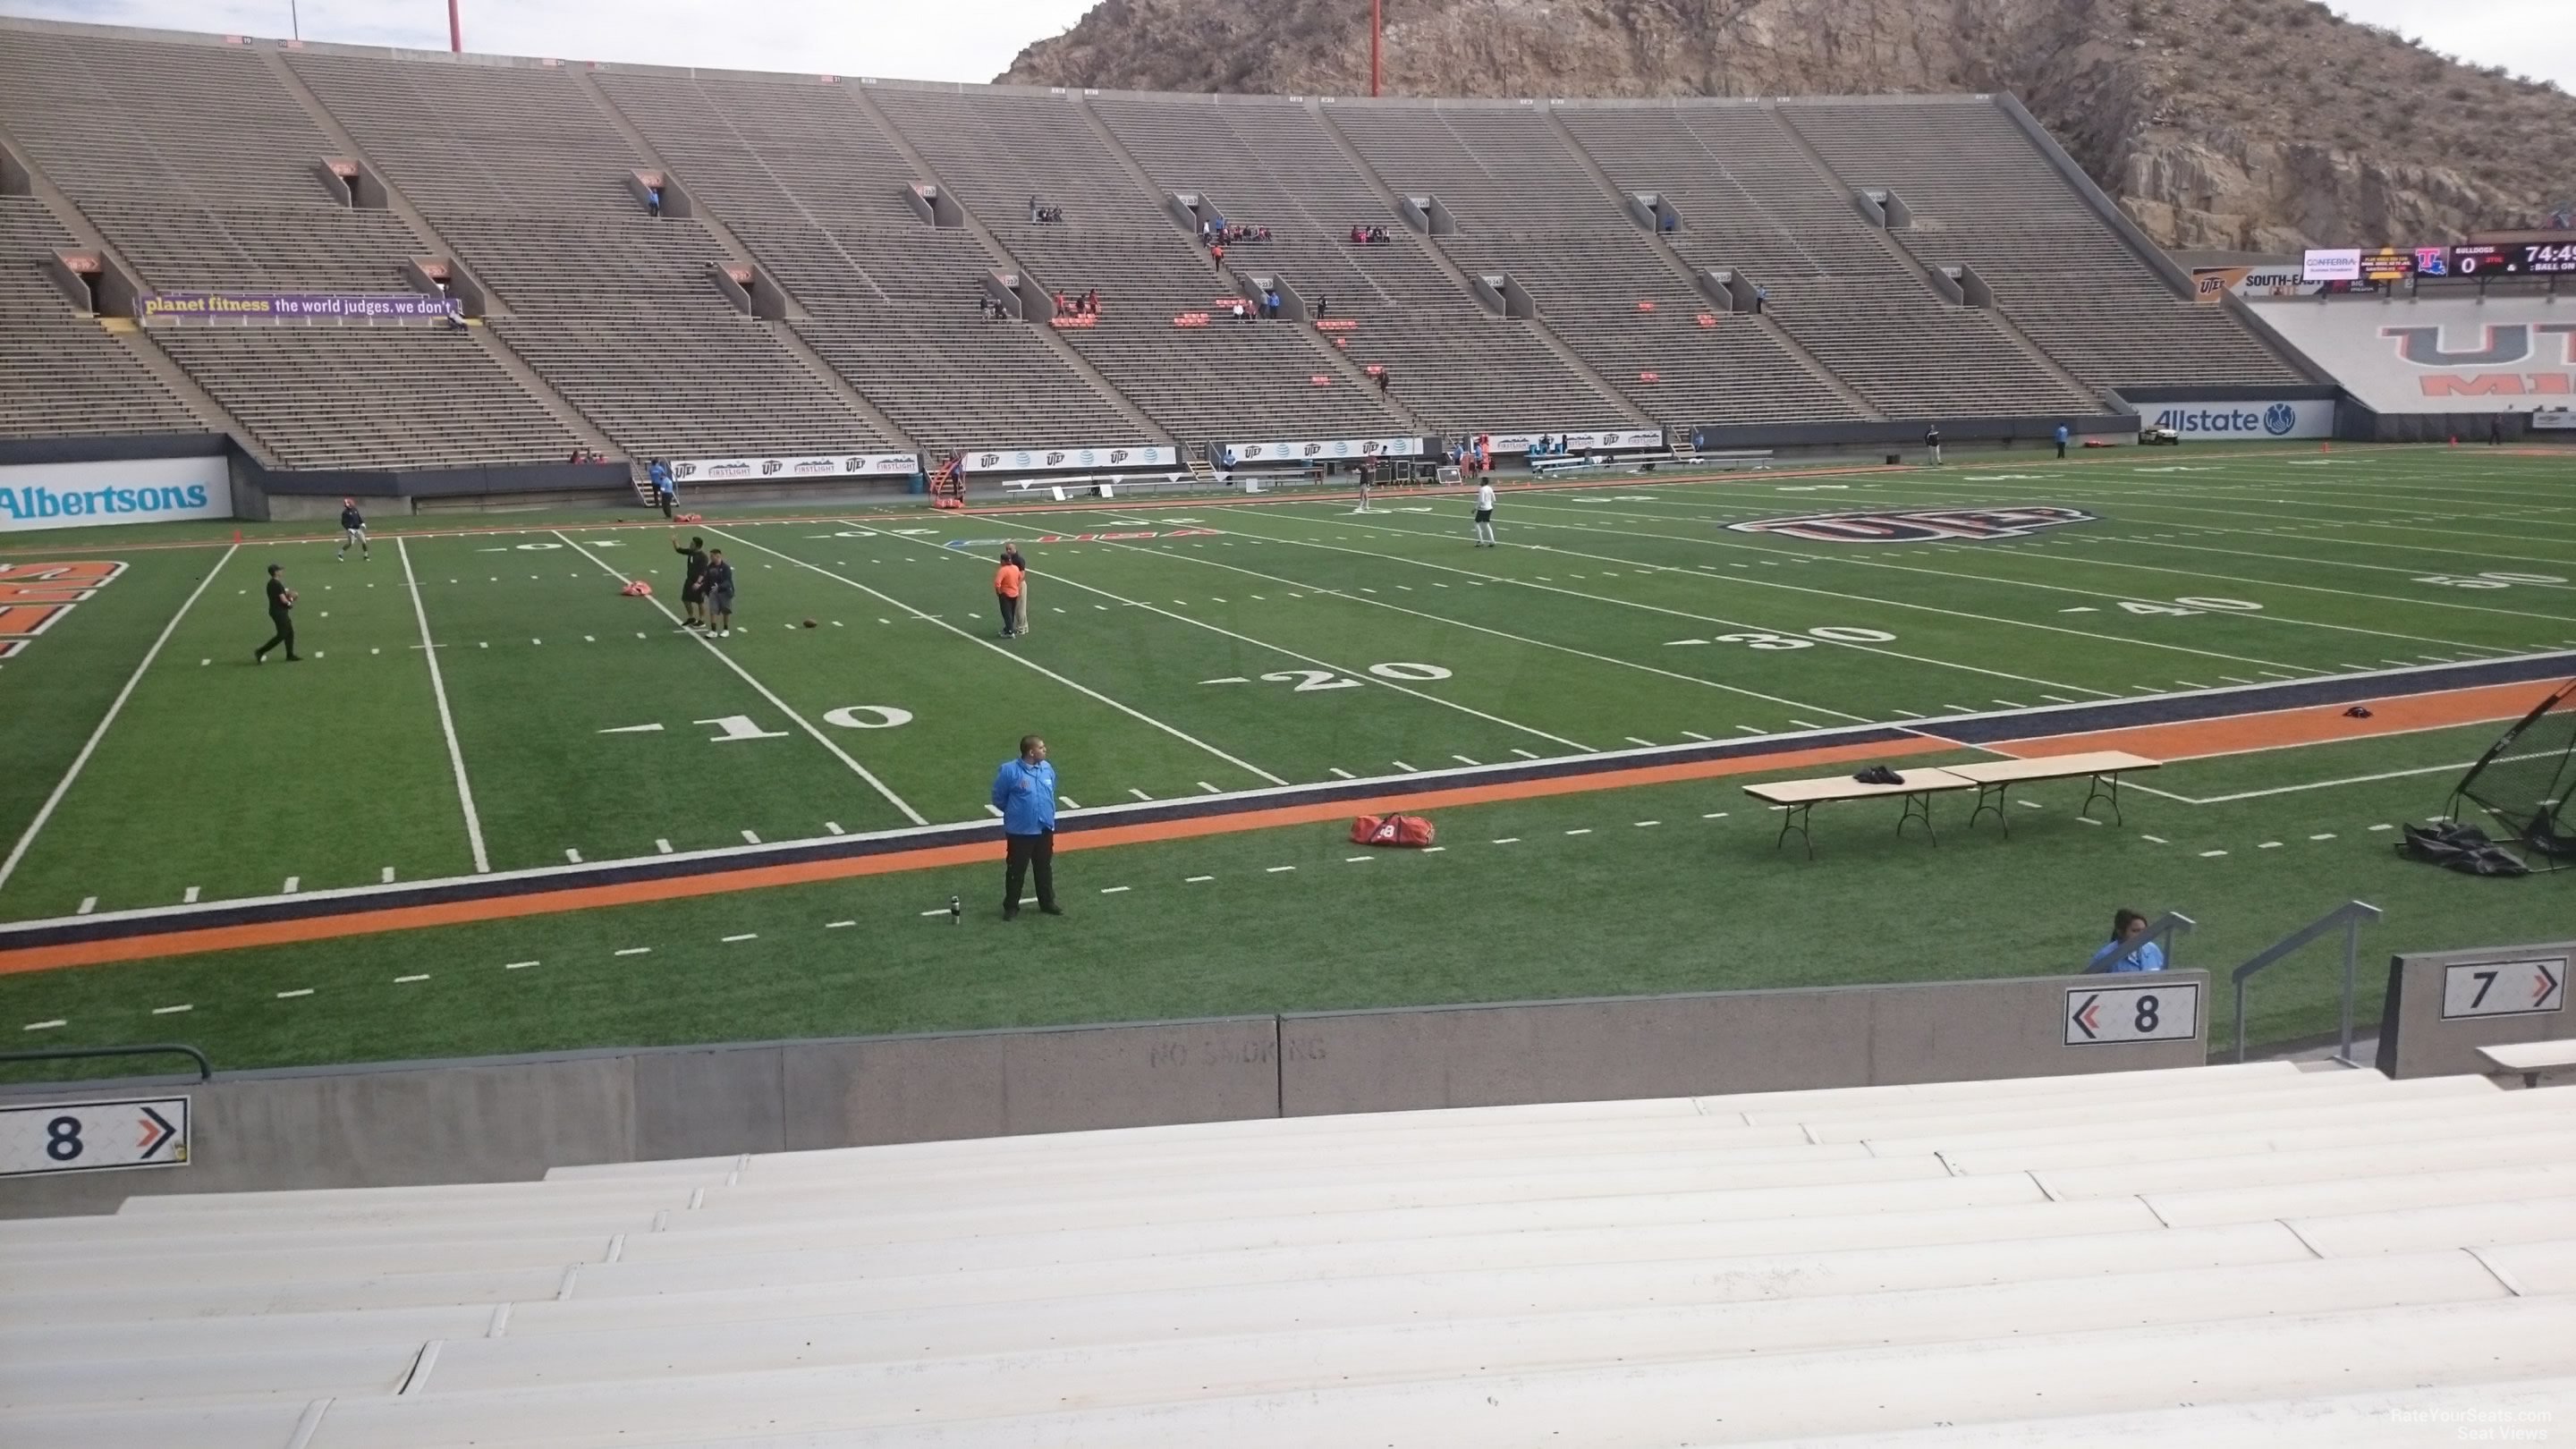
479	701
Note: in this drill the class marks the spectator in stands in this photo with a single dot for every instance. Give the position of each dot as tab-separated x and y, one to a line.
1034	218
1323	307
1216	258
2128	949
1760	296
1671	222
1270	304
2063	433
1359	235
1091	303
1063	307
1239	314
1932	440
653	200
1385	375
663	492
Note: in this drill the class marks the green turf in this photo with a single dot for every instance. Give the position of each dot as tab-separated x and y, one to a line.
1169	667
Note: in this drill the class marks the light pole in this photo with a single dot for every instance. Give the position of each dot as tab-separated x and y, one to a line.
1377	30
455	31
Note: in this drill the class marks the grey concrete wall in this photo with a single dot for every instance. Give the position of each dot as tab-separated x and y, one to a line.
1672	1046
2414	1040
511	1119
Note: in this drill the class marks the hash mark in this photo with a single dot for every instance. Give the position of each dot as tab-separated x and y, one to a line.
407	980
1276	869
293	882
662	846
1586	830
44	1025
1194	880
290	995
517	965
745	936
173	1010
750	839
87	905
837	925
1408	769
635	951
572	855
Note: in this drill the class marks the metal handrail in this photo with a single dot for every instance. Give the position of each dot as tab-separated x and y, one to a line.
2164	931
2349	916
205	1068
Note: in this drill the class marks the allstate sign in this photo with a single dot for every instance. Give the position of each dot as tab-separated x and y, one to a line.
89	495
2303	418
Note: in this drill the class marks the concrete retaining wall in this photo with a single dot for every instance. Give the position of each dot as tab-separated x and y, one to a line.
2416	1038
511	1119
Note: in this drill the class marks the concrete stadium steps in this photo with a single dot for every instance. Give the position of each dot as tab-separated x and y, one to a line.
1874	1261
2349	1421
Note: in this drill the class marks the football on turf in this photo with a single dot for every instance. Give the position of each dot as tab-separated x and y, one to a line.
809	623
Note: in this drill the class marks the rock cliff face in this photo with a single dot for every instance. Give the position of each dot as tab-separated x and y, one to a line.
2261	125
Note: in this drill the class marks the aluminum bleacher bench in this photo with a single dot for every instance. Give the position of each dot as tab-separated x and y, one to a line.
1995	779
2533	1061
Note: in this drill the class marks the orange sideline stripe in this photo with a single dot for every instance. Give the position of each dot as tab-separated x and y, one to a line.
2279	728
450	913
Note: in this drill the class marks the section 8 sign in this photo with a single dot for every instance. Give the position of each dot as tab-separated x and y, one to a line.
93	1136
2102	1015
2504	988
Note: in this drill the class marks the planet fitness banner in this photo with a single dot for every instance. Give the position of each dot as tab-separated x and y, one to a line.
91	495
839	465
298	307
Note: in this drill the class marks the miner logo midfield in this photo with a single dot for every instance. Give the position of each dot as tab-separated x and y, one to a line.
1917	525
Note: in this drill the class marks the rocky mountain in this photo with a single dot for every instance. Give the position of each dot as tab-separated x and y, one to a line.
2252	125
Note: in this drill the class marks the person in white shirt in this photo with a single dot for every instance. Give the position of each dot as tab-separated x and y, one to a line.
1485	515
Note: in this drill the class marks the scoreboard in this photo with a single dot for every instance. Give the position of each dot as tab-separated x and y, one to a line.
2515	259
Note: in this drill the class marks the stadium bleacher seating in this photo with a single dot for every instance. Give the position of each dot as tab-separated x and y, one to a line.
2090	1259
199	159
1982	195
61	375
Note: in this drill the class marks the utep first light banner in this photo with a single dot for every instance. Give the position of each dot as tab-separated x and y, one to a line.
91	495
297	307
837	465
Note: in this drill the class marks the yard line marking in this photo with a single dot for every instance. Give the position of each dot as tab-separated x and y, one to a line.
662	847
1526	754
1026	663
1696	735
1347	775
1462	759
832	827
44	1025
993	810
1068	802
63	786
173	1010
1750	729
745	936
291	995
1194	880
407	980
1211	789
1408	769
783	707
572	855
750	839
87	905
1362	676
1632	739
635	951
1808	724
517	965
446	718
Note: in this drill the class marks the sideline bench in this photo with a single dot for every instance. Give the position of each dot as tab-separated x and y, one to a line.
1991	779
2533	1061
1995	779
1799	798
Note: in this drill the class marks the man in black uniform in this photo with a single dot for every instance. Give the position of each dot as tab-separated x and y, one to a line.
719	586
281	605
693	589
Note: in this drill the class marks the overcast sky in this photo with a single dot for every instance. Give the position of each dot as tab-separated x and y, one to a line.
973	40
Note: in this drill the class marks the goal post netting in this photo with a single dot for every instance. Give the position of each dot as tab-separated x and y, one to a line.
2527	779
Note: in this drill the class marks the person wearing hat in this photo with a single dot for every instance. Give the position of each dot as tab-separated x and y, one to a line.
281	615
354	524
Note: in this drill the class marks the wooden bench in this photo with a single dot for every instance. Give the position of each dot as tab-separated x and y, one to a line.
1995	779
1799	799
2533	1061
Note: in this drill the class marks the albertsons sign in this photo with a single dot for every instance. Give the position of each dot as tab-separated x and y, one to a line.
2305	418
87	495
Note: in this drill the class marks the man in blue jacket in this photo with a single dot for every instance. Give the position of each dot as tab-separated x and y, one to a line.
1024	791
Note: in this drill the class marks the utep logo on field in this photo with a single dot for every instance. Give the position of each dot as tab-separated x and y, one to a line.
2279	418
34	597
1917	525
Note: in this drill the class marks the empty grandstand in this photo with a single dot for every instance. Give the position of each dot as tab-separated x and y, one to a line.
2199	1256
662	262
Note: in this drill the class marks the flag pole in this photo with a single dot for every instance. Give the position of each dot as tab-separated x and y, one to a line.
455	31
1377	31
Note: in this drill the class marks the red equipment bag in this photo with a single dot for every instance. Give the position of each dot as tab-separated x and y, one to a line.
1405	830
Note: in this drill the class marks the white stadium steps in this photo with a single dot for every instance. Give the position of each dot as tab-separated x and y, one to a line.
2205	1256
